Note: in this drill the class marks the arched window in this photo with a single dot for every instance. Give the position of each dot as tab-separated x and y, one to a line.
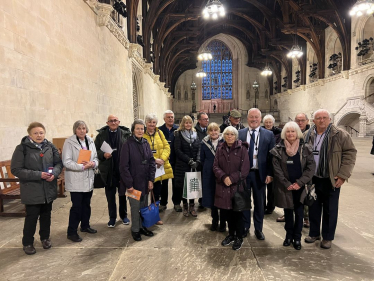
218	82
179	95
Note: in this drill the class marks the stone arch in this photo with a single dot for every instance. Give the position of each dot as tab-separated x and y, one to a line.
333	46
350	122
369	89
363	28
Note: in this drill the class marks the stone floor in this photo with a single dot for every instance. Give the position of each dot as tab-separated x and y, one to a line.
184	248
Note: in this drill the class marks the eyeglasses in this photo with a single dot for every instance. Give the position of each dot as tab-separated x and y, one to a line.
322	118
205	119
170	117
113	121
300	121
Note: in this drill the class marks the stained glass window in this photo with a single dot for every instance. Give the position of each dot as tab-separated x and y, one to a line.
218	82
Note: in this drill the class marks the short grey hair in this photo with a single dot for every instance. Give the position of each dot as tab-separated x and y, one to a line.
79	123
254	109
168	112
306	116
230	129
291	125
150	117
269	116
321	111
136	122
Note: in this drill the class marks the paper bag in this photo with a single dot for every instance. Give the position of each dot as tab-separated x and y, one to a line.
192	188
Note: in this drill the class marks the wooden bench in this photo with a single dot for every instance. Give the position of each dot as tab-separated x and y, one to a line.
10	188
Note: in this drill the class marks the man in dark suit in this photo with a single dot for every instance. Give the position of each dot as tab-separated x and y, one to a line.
261	141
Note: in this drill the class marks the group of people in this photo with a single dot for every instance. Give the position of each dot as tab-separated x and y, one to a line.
230	157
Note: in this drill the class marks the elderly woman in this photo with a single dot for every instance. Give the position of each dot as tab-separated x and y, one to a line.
161	152
269	121
207	154
186	145
37	164
79	178
231	165
294	167
137	169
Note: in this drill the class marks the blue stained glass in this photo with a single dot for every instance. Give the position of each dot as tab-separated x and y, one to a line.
218	82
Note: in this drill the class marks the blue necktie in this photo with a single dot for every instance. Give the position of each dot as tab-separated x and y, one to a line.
251	147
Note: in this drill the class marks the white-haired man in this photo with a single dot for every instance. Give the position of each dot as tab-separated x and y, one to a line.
335	157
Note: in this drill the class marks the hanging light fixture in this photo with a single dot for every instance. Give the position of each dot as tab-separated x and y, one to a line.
295	52
362	7
267	71
201	74
214	9
205	55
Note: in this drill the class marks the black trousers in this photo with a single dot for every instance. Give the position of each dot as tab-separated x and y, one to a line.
327	205
110	192
165	192
80	211
33	212
157	186
258	190
218	217
235	222
294	226
270	205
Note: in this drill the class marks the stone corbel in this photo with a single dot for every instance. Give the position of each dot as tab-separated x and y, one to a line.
156	78
345	74
303	87
321	82
103	13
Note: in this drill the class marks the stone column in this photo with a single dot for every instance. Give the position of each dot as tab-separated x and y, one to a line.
362	133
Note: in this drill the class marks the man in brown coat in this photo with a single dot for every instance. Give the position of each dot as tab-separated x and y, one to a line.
335	157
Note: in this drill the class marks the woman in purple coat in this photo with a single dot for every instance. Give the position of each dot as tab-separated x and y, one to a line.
231	165
137	169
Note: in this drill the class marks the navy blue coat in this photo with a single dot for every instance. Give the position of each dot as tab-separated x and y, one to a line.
208	177
169	135
266	143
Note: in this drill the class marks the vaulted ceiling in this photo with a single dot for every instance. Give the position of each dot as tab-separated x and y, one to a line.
265	27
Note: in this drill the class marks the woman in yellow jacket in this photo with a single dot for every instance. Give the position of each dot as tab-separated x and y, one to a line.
161	152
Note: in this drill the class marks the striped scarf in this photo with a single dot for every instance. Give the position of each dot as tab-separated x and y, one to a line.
323	165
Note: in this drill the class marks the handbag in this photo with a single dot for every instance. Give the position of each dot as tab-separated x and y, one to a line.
311	195
242	199
150	214
98	180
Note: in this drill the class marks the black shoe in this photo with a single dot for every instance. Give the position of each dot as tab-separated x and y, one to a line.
268	212
136	236
287	242
228	240
201	208
259	235
29	249
214	227
237	244
297	244
75	238
245	233
145	232
89	230
46	243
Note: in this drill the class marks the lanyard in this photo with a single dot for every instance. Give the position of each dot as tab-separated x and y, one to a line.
86	141
252	139
152	139
315	148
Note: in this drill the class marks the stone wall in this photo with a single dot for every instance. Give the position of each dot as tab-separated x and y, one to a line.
61	62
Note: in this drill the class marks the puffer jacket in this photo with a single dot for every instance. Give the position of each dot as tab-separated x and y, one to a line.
77	179
28	163
162	148
341	153
283	197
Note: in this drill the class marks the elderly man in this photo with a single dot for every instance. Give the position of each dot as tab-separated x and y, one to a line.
302	120
261	141
168	129
335	156
233	120
114	135
202	125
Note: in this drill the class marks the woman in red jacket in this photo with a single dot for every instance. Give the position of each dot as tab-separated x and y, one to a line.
231	165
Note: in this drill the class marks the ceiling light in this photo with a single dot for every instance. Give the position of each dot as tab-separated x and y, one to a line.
295	52
361	7
205	55
214	9
267	71
201	74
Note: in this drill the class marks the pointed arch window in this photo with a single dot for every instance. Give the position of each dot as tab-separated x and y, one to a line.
218	82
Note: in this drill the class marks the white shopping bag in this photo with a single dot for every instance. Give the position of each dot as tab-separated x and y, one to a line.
192	188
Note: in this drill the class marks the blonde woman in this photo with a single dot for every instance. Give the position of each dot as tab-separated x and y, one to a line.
186	145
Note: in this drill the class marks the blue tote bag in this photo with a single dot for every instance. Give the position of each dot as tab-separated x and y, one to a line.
150	214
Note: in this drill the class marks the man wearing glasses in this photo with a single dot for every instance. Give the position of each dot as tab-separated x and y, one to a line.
114	135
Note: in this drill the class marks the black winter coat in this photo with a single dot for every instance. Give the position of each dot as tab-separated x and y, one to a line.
184	152
28	163
106	166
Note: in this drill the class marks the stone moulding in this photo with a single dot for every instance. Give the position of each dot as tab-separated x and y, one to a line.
361	69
